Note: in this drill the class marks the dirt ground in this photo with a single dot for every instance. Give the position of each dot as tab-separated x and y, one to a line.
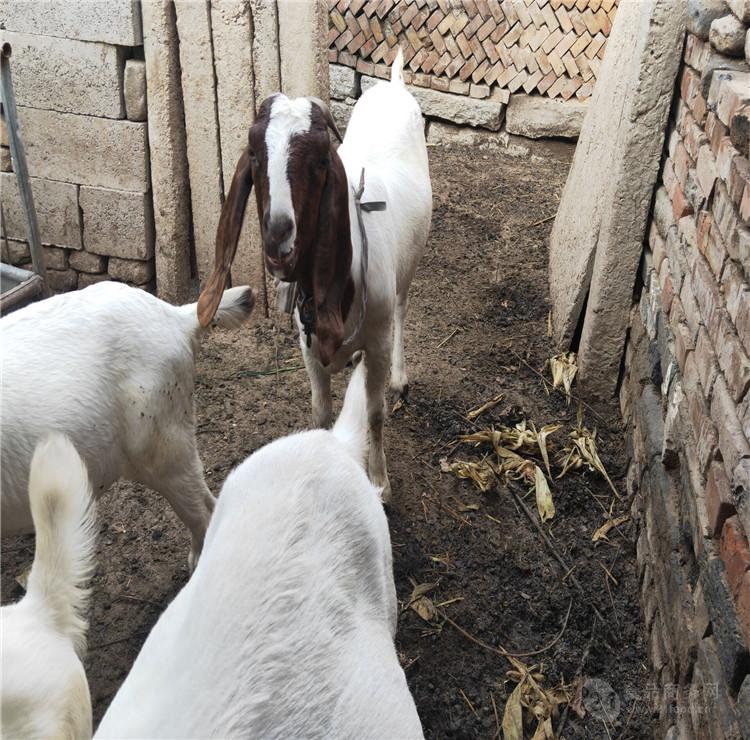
477	328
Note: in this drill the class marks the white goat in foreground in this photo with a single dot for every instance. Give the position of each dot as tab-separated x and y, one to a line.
44	689
286	627
311	235
113	368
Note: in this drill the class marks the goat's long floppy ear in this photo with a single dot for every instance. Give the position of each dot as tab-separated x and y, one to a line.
327	115
227	235
333	288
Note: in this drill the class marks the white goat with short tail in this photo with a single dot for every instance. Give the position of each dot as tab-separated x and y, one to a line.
352	283
286	627
113	368
44	690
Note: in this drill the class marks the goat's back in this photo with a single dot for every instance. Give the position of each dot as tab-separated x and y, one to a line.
286	627
94	365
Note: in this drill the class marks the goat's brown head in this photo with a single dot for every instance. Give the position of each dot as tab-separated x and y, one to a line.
303	209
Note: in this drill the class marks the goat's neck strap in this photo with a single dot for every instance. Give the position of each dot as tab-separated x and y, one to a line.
359	207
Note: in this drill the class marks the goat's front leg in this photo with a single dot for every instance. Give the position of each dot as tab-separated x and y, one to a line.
320	385
377	363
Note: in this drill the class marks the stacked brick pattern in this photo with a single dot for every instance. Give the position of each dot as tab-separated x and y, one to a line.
548	47
80	87
685	396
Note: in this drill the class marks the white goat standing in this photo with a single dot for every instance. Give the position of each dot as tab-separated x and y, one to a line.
286	627
113	368
44	692
305	193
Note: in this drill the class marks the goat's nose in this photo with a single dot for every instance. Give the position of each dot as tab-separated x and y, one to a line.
278	230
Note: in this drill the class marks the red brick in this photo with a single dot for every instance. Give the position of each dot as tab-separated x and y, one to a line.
739	177
732	442
715	131
706	170
734	288
682	162
742	604
726	219
708	441
719	500
735	552
680	205
732	96
706	292
724	158
745	205
689	85
733	361
705	219
739	129
667	294
705	360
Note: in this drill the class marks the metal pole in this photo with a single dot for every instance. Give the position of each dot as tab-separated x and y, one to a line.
18	157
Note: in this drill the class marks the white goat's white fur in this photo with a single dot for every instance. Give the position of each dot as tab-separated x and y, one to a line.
44	689
113	368
385	136
286	627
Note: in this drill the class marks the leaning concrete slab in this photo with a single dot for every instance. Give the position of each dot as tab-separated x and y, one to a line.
87	150
232	30
113	22
166	136
597	237
266	65
64	75
201	126
304	62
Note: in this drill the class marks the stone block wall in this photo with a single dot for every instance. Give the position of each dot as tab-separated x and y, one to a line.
525	67
685	390
80	87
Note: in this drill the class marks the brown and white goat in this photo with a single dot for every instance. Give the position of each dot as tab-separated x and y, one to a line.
305	194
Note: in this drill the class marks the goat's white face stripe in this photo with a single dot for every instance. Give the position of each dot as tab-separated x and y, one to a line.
288	118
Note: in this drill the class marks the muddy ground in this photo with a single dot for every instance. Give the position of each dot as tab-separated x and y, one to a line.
477	328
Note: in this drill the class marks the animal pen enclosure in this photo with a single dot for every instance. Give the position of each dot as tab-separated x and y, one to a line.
629	609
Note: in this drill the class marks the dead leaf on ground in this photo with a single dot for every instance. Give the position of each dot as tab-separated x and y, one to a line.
480	473
542	704
583	451
421	603
603	531
544	503
475	413
563	368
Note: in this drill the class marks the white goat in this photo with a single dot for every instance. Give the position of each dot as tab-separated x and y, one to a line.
286	627
113	368
311	234
44	689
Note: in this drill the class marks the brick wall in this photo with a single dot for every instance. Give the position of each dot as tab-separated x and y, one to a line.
471	61
80	87
684	393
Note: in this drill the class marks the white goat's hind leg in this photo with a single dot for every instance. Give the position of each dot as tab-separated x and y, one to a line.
377	360
189	496
320	384
399	381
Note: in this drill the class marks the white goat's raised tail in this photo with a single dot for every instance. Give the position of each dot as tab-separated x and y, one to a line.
351	426
397	70
64	515
44	691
